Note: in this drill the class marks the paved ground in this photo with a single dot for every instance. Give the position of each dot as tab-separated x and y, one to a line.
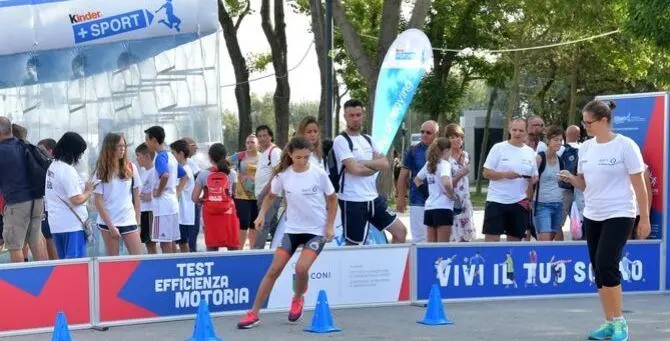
541	320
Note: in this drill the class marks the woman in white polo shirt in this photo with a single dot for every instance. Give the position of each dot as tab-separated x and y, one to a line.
611	173
512	171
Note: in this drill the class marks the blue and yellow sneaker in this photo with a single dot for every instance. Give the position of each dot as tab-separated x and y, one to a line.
604	332
620	328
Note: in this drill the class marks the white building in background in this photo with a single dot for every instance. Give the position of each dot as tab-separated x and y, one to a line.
473	123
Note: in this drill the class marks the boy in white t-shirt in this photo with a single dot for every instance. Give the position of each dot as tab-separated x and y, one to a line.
149	178
187	229
165	203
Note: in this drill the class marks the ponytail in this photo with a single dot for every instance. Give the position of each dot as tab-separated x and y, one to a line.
296	143
434	154
217	154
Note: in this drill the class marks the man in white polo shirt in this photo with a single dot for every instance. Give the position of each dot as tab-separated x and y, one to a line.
267	160
511	169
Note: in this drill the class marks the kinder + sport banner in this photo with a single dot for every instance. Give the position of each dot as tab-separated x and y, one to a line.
642	118
59	40
498	271
406	62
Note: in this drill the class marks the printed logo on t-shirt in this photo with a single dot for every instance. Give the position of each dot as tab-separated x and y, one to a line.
310	191
607	162
430	180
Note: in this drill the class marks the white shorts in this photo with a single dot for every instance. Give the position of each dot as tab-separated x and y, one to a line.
416	224
165	229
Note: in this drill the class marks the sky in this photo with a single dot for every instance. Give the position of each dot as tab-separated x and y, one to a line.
304	80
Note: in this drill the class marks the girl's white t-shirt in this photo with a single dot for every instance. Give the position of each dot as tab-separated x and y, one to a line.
186	205
63	183
607	168
305	194
437	196
118	199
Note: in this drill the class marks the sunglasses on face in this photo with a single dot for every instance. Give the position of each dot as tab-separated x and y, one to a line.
426	132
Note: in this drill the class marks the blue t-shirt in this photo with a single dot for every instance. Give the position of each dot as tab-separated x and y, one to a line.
14	184
414	160
161	165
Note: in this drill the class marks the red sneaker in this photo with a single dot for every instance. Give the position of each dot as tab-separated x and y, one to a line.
296	309
249	321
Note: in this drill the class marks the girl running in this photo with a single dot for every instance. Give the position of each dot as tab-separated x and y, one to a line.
117	197
438	214
611	173
213	189
311	207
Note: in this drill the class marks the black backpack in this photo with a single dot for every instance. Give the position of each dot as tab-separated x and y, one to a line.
570	159
37	164
336	174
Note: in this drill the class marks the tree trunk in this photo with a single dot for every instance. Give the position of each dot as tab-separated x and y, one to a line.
368	66
276	37
419	14
239	68
513	103
572	110
485	139
318	28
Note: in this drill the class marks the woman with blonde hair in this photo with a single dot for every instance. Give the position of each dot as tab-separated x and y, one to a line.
309	129
463	231
117	196
438	214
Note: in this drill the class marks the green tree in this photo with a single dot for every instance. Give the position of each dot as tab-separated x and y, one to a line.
650	19
231	131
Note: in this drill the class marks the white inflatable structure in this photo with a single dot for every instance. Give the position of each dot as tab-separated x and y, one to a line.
95	67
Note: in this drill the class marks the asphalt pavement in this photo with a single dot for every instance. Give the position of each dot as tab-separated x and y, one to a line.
554	319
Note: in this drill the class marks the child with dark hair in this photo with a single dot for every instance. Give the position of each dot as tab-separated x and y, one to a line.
65	198
214	190
311	209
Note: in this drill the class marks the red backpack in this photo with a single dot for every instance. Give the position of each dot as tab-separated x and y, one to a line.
219	213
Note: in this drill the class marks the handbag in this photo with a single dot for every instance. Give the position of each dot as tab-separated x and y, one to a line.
84	224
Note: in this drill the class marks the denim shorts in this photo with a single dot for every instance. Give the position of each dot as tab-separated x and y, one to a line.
548	217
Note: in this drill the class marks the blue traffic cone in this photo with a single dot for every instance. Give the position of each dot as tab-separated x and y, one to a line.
61	330
322	321
435	312
203	329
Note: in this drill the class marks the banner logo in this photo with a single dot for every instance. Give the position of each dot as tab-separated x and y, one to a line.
197	282
93	26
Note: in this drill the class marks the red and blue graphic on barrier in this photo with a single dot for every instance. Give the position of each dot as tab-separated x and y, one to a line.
533	270
643	119
151	288
32	296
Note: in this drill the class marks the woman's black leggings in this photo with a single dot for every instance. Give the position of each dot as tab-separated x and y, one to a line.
606	240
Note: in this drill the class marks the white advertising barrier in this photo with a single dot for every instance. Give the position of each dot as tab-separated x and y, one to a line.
50	25
356	276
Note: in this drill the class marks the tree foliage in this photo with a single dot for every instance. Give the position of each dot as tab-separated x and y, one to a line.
650	19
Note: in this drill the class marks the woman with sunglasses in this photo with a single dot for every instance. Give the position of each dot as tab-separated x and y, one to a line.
611	173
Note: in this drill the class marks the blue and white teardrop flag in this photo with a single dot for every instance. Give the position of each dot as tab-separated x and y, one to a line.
408	59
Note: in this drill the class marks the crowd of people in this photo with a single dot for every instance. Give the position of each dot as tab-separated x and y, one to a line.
161	201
